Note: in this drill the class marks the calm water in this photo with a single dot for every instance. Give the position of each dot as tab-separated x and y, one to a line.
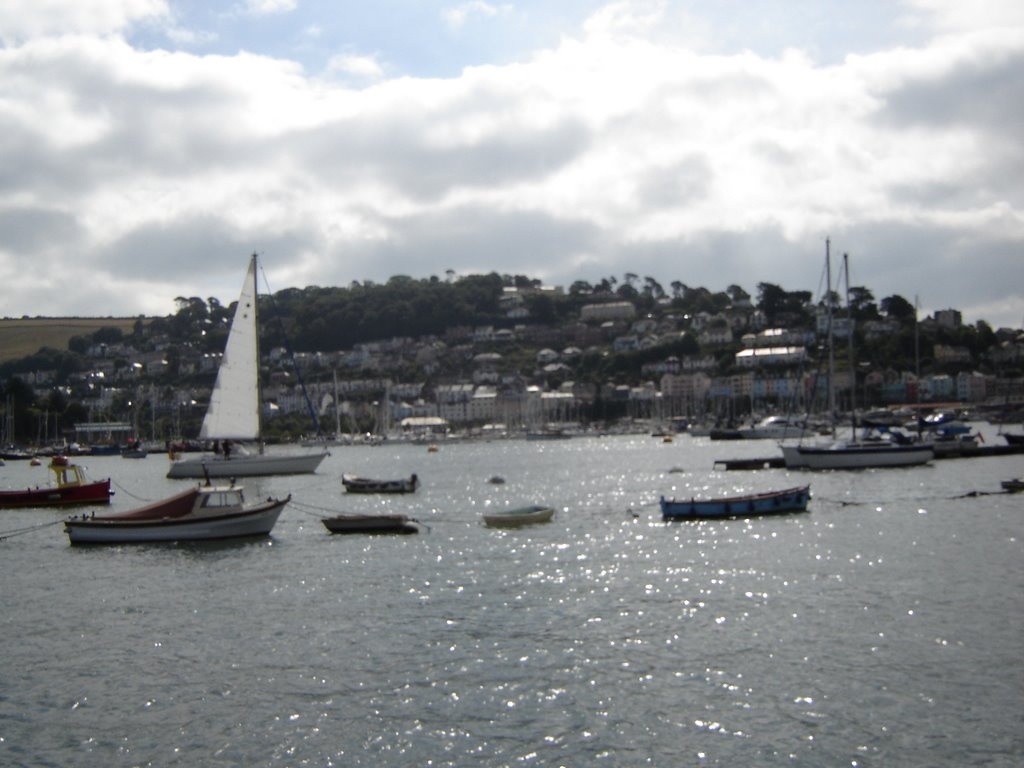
882	628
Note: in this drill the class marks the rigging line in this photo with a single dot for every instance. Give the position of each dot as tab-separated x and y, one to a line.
889	502
4	535
312	486
291	357
304	507
125	490
972	494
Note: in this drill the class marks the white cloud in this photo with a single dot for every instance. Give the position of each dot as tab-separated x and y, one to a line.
457	16
269	7
617	150
956	16
28	19
365	67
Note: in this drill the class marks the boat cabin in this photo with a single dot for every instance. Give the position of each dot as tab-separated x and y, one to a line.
221	497
66	474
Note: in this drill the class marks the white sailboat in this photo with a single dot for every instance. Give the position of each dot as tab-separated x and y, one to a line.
234	410
853	453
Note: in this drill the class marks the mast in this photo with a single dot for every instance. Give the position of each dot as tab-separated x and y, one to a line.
849	347
831	346
256	325
917	372
337	412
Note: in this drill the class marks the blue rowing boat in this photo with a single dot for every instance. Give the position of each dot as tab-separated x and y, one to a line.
767	503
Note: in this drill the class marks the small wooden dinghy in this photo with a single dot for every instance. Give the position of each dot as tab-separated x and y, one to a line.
768	503
510	518
370	524
356	484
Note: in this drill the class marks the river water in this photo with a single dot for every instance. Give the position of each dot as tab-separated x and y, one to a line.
884	627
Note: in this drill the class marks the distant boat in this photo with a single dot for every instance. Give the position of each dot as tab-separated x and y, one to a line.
510	518
548	433
768	503
725	433
356	484
202	513
955	445
134	450
70	486
857	455
776	428
945	423
370	524
1013	486
234	410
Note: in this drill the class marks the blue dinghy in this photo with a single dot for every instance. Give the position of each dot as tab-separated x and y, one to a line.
767	503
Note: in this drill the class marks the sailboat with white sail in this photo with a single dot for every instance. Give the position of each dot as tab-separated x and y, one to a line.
233	415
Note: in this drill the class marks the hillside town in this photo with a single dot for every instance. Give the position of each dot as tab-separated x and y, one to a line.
612	365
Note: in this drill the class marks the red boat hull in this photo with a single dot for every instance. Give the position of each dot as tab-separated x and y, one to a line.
87	493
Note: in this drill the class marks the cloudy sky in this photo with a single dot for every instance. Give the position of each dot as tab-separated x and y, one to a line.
149	146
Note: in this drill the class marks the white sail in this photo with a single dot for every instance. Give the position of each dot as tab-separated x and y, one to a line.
234	407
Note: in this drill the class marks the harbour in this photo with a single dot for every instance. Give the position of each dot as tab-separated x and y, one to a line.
881	627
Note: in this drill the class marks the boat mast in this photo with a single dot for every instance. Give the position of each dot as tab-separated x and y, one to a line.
849	347
831	346
256	324
337	412
917	372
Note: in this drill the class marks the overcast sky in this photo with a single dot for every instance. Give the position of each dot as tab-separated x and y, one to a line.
149	146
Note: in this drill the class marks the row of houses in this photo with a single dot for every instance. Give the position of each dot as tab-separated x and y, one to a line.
486	388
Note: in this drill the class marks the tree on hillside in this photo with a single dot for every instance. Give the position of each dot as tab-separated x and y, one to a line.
898	308
580	287
771	299
862	304
736	294
19	397
652	288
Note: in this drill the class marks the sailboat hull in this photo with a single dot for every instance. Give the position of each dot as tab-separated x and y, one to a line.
856	456
246	466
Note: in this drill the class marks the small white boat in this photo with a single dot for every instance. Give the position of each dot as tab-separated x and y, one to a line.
856	455
202	513
510	518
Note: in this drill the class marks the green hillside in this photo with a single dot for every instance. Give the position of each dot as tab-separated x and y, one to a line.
25	336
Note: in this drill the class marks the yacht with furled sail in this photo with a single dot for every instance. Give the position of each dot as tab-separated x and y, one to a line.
885	451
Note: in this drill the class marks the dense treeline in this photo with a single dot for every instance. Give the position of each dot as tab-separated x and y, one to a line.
317	318
337	318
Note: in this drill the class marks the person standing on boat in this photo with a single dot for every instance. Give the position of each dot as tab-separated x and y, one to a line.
227	449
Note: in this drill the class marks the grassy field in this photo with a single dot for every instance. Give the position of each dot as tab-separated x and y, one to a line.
22	337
